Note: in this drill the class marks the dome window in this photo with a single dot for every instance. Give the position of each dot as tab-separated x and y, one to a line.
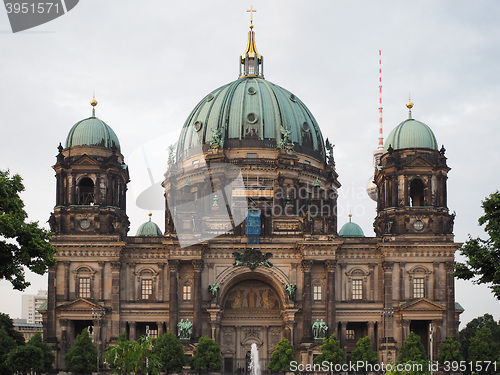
293	98
252	118
306	127
251	90
198	125
209	97
86	191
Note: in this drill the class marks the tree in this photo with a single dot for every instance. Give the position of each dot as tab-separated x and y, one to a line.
207	355
449	350
24	359
170	353
22	244
483	348
7	344
7	323
81	357
47	355
412	349
136	357
283	354
470	330
483	256
330	352
364	352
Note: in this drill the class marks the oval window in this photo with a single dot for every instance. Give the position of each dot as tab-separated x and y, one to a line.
198	125
252	118
251	90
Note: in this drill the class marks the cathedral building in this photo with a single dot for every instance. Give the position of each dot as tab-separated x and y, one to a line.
251	251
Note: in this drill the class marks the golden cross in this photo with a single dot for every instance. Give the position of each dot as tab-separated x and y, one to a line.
251	10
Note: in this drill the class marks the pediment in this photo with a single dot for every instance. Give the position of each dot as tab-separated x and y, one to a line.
79	304
422	304
419	162
85	160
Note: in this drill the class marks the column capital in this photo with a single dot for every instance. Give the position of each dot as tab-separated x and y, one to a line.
387	266
173	265
307	265
330	265
197	264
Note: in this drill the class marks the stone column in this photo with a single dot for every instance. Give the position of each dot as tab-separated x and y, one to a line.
115	299
161	331
50	326
371	334
450	325
66	280
101	285
131	282
330	296
307	301
161	277
343	333
402	281
197	317
132	332
388	271
173	267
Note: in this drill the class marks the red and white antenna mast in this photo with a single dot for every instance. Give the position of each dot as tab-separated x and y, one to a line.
380	134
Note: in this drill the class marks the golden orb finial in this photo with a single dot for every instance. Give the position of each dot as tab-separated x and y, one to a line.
350	216
93	102
409	105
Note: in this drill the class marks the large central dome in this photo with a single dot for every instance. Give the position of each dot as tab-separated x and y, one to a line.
251	112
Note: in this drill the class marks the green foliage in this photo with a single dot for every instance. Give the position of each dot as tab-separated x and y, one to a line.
483	256
449	350
24	359
207	355
364	352
283	354
412	349
7	323
22	244
82	356
331	351
471	329
7	344
170	353
128	357
47	355
482	347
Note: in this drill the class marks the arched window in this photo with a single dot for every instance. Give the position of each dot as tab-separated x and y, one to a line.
417	192
84	280
86	191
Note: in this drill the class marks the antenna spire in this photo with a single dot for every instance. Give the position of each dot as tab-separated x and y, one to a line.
380	132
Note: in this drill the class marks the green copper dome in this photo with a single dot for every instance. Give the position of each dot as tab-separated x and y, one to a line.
411	134
92	132
251	112
149	229
351	229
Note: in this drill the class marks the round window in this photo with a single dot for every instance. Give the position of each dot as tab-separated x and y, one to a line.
209	97
251	90
85	224
418	225
198	125
252	118
305	127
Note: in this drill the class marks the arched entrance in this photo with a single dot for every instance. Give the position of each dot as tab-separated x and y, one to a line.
252	312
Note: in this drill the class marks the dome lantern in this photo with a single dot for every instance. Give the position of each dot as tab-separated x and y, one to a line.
251	62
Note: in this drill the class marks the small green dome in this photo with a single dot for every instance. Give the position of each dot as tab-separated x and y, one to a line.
251	112
149	229
92	132
411	134
351	229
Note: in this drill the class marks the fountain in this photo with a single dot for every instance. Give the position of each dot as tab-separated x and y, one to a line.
254	366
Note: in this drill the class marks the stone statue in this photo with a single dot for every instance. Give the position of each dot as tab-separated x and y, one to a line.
171	157
330	147
286	142
217	139
319	329
214	291
291	289
185	329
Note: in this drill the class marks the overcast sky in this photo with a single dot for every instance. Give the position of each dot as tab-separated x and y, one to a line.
150	63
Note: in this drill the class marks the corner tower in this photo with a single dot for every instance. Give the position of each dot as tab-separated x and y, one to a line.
91	181
411	180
